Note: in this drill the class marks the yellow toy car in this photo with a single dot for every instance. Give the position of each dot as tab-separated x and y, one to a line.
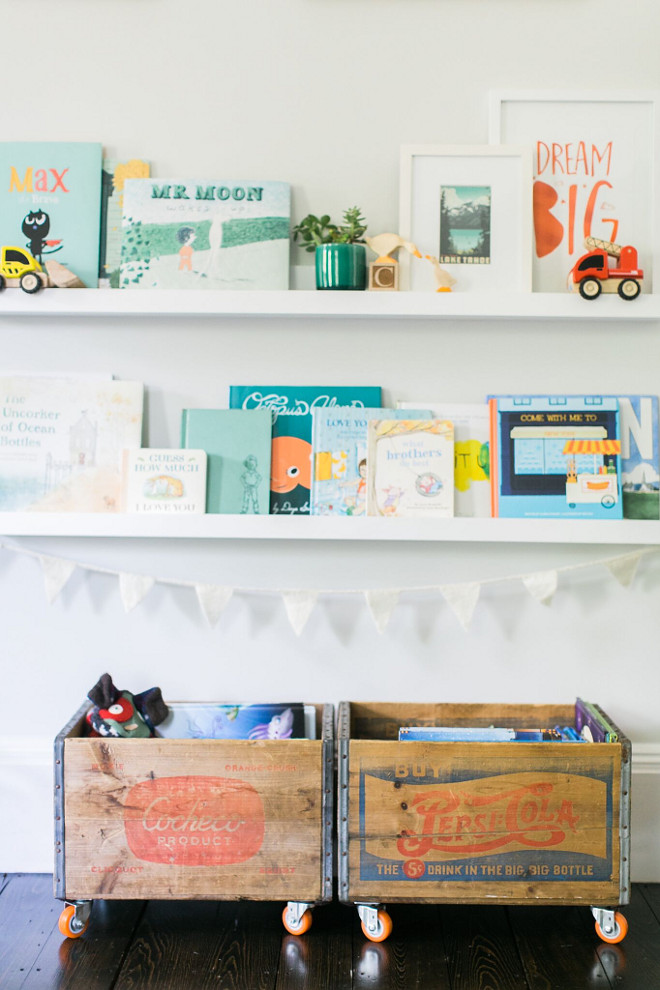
19	267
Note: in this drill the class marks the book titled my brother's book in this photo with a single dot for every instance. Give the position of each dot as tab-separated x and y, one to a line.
205	234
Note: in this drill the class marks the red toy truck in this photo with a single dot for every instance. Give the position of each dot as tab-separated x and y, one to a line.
592	273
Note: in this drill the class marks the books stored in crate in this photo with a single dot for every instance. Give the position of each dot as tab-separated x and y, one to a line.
113	176
158	480
291	458
61	441
339	453
205	234
555	456
411	468
237	443
200	720
640	458
471	452
50	202
490	733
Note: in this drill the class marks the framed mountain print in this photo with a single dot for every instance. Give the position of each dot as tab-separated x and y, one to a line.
468	210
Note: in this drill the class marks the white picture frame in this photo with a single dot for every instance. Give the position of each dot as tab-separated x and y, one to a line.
435	177
595	155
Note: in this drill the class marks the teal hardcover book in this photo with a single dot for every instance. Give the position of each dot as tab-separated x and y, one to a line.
237	444
50	203
291	458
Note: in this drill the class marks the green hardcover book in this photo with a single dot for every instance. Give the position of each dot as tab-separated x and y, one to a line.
238	444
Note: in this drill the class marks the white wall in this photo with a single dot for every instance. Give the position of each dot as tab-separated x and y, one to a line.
320	93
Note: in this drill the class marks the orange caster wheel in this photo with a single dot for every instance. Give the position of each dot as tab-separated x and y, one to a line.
69	925
295	922
612	931
382	929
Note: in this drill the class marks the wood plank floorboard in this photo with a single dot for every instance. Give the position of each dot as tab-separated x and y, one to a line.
198	945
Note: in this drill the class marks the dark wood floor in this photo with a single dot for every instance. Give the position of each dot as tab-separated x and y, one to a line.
169	945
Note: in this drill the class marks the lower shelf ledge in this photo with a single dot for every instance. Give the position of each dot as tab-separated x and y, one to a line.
232	527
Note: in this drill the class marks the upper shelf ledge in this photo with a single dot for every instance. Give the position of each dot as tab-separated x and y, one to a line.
306	303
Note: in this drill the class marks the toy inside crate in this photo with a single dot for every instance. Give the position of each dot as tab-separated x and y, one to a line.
510	822
208	819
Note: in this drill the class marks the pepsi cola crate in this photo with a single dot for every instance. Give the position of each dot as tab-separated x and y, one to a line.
207	819
479	822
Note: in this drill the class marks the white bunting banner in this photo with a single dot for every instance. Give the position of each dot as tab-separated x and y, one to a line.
542	585
462	599
57	572
133	588
213	599
624	568
382	602
299	606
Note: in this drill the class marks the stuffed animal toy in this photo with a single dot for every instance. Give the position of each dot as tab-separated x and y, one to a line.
122	714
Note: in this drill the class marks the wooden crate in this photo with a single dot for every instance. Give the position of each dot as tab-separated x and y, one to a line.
209	819
479	822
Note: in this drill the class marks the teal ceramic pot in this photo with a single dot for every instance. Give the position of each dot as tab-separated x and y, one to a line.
341	266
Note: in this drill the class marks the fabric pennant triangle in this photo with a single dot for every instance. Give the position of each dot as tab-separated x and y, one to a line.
133	588
382	602
299	606
542	585
624	568
57	572
462	599
213	599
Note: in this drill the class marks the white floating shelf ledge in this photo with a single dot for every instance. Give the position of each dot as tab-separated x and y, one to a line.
232	527
318	303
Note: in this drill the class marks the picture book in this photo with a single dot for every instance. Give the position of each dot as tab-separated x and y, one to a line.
113	176
492	733
237	444
61	442
50	203
162	480
556	457
339	457
471	453
411	467
640	467
292	405
199	234
200	720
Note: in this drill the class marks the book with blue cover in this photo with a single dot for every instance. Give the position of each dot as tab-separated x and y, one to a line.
237	444
339	451
201	720
556	456
205	234
50	203
291	457
640	464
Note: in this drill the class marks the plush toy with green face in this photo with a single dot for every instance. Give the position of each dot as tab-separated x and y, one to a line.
122	714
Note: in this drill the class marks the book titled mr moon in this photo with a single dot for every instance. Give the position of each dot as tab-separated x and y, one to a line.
205	234
160	480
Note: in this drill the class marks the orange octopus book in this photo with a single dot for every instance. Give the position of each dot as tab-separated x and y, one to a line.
291	452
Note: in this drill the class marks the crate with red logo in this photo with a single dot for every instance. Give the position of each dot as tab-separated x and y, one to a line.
214	819
479	822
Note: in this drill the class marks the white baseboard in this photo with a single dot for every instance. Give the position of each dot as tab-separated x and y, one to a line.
26	818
